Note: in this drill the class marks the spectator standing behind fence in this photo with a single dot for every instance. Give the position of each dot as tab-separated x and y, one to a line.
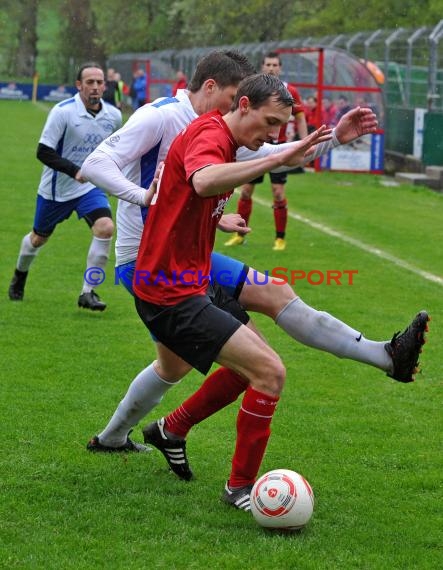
112	92
138	89
328	112
343	106
271	64
181	82
311	112
123	89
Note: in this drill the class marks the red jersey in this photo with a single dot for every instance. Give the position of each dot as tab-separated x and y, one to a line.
311	116
180	84
328	116
298	107
173	261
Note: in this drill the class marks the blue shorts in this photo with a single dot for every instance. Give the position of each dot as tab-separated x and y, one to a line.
226	271
124	274
229	273
91	206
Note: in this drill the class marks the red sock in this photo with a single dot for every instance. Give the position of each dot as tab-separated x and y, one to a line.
280	217
218	390
244	208
253	431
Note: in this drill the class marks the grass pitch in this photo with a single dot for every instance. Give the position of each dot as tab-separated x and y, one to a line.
370	447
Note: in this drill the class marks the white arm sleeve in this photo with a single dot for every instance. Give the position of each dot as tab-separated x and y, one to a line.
101	170
104	167
323	148
244	153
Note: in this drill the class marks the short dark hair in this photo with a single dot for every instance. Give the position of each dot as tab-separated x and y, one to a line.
87	65
259	88
272	55
225	67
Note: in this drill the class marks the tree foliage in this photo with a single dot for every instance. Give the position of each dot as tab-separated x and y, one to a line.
229	21
18	39
79	40
26	54
71	32
321	17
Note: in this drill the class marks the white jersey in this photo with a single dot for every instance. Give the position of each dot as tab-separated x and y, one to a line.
74	133
135	150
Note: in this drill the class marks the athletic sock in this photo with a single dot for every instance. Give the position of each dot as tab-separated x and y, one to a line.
98	256
244	208
253	431
323	331
218	390
27	254
144	393
280	216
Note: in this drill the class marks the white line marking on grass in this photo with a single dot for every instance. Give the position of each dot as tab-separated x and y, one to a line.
42	106
361	245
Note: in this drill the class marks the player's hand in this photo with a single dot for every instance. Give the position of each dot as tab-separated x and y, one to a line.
355	123
299	149
80	178
153	186
230	223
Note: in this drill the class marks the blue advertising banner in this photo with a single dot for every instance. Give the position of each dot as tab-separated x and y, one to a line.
23	92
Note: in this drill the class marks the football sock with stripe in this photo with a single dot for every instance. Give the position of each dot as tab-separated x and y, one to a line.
253	431
323	331
218	390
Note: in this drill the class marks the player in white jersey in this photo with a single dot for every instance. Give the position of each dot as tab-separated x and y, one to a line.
73	129
125	164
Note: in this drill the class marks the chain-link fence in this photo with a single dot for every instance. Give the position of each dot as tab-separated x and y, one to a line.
409	60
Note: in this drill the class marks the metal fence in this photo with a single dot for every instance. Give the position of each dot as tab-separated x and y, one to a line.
408	58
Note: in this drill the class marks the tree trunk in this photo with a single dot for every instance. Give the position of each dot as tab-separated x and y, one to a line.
27	39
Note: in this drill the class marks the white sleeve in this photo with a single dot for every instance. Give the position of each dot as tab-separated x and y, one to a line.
323	148
101	170
244	153
103	167
267	149
54	128
140	134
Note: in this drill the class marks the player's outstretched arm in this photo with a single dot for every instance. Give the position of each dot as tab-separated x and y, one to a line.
356	123
102	171
295	155
217	178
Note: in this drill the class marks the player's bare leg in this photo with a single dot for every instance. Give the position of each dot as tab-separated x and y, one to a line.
318	329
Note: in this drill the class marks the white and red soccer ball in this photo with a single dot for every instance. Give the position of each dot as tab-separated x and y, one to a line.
282	499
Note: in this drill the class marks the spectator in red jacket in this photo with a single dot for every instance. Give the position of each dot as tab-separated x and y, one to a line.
181	82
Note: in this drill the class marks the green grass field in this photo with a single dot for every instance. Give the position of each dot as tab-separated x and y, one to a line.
370	447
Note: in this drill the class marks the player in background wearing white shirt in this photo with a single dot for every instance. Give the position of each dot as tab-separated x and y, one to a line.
73	129
125	164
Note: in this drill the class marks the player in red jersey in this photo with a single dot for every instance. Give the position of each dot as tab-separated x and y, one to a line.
191	318
272	64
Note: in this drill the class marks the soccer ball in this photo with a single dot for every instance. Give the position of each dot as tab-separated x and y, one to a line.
282	499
